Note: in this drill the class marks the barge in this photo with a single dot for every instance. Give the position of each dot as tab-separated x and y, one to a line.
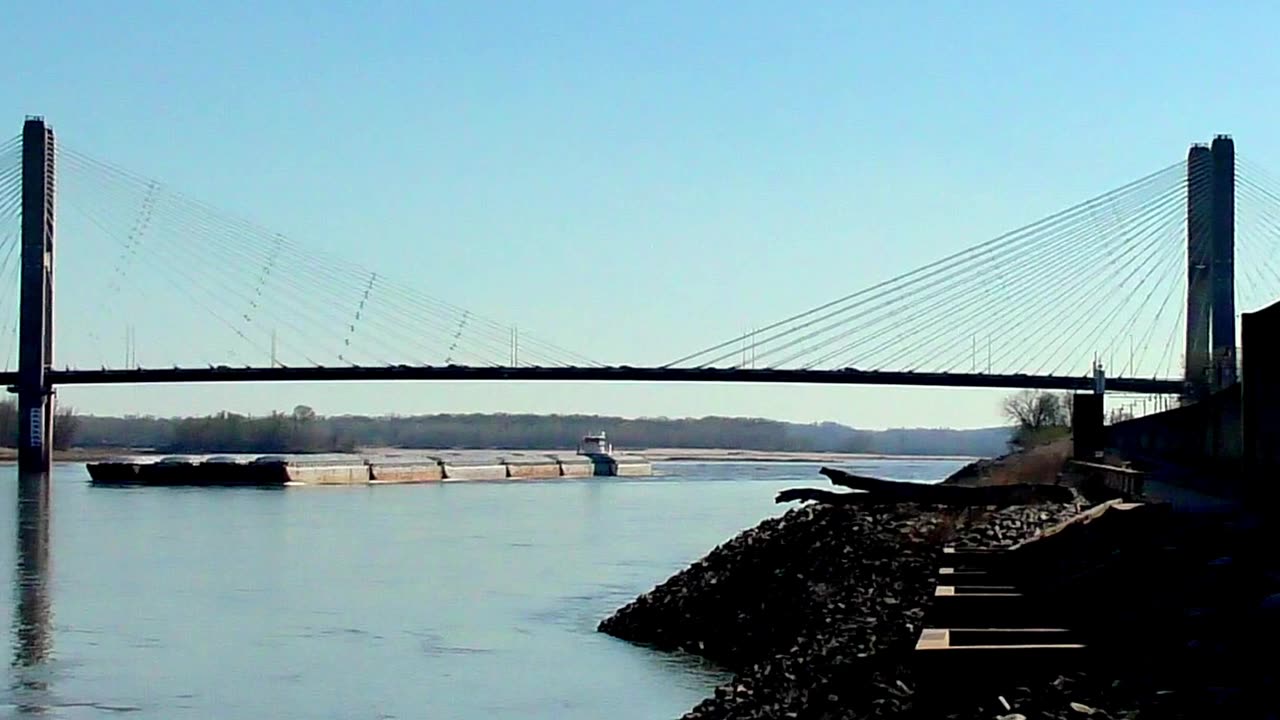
595	457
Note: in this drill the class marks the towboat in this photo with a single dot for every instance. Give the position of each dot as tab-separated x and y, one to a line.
597	444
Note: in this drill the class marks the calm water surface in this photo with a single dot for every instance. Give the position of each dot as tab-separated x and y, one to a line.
464	600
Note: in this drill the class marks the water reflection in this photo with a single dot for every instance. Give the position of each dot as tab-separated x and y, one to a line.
32	612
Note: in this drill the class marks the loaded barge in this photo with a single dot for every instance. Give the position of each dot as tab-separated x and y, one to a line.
594	458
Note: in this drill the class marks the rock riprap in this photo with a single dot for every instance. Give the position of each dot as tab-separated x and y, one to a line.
817	610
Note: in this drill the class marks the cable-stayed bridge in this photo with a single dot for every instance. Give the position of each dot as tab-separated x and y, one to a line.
1141	281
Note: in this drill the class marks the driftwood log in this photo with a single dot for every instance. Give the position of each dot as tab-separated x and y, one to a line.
875	491
826	497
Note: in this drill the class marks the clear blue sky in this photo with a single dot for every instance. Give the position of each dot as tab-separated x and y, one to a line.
734	162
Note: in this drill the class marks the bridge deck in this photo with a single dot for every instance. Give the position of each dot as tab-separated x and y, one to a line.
221	374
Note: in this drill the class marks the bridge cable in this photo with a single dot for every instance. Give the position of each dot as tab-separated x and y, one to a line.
972	304
99	216
530	341
160	212
987	256
1012	338
1035	309
1259	252
215	264
1135	265
1094	318
1170	239
166	274
1253	219
1016	306
1007	263
962	310
1031	304
910	277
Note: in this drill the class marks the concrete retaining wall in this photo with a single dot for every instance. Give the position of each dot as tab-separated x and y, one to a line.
1260	402
1235	433
1205	433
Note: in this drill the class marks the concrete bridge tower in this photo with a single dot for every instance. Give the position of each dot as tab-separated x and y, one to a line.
1211	310
1222	266
1199	249
35	323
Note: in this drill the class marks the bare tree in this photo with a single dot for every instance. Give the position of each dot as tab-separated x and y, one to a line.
1032	410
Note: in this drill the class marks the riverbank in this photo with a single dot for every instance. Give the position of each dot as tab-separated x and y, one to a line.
817	614
1041	464
826	458
79	455
815	611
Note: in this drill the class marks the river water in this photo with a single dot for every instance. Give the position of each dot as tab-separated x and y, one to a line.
455	600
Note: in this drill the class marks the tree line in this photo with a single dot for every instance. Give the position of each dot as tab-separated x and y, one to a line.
66	423
1035	418
302	430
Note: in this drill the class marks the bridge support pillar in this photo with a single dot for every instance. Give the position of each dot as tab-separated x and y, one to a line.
1223	262
35	323
1199	257
1086	425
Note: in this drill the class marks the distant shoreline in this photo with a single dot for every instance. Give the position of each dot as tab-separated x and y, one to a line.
724	455
707	455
